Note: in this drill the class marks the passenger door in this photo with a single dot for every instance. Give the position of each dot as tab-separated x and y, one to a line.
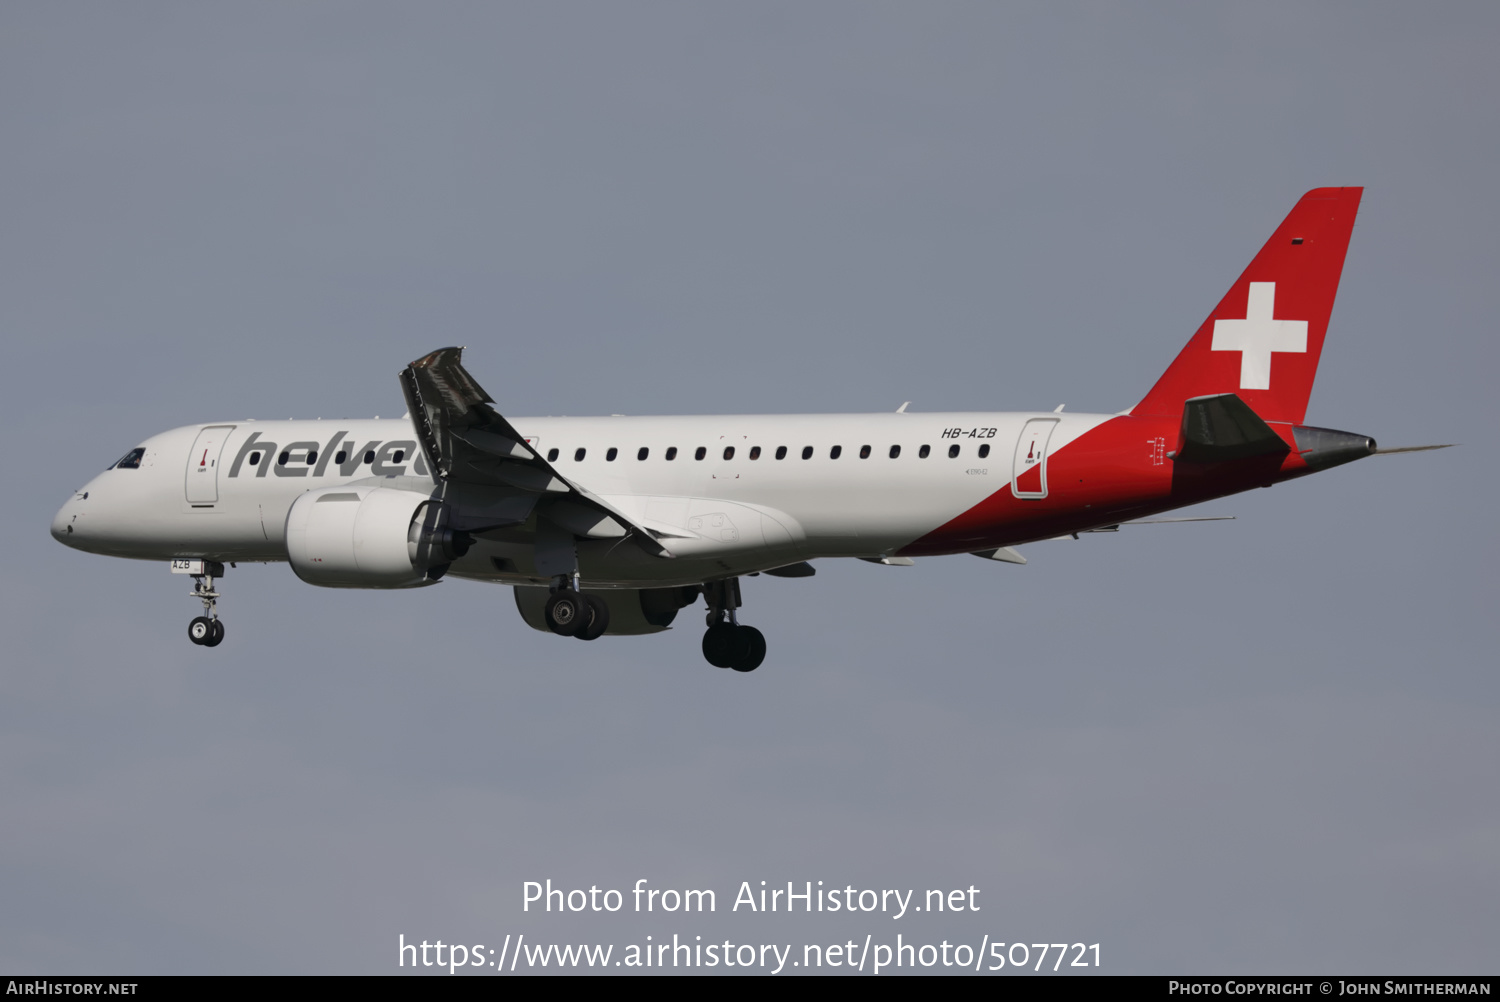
203	466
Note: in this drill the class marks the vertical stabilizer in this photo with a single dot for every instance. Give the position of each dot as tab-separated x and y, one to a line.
1262	342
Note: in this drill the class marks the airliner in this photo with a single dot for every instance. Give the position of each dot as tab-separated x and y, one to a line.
613	525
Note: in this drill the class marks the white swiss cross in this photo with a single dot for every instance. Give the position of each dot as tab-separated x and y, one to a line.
1256	336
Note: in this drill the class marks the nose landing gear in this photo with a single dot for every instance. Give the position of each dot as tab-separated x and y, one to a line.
206	630
728	643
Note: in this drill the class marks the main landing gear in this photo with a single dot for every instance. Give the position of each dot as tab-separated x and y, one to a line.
728	643
570	613
207	630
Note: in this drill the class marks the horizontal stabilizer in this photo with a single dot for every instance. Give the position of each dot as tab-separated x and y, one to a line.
1148	521
1222	428
1195	518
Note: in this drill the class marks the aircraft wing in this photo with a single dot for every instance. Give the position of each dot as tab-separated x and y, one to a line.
468	442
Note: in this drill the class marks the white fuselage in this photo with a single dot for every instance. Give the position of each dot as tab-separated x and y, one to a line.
222	491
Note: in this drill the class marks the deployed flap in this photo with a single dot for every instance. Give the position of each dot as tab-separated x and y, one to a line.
468	442
1223	428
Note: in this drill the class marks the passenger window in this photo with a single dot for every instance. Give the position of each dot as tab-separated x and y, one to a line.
312	457
131	460
924	452
864	452
728	452
340	457
400	453
700	452
895	451
370	457
984	450
281	459
755	452
807	452
642	453
578	454
781	452
254	459
551	455
609	456
671	453
836	452
953	452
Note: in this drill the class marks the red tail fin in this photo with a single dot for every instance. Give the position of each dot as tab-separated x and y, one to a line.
1263	340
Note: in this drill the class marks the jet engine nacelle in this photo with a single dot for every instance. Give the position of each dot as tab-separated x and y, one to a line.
632	611
371	537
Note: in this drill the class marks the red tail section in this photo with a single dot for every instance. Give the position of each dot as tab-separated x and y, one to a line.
1263	340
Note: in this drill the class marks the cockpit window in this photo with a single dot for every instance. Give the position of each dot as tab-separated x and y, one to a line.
131	460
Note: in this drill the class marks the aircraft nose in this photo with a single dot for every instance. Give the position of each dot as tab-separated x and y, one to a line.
65	521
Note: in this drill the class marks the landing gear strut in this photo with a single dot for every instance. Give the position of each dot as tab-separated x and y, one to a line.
207	630
729	643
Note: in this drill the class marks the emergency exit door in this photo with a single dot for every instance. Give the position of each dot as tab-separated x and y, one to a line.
1028	478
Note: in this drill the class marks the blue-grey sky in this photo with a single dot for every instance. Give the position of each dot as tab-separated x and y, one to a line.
1260	745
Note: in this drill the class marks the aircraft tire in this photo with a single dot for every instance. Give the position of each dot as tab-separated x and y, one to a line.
753	651
200	630
597	620
719	646
566	613
217	637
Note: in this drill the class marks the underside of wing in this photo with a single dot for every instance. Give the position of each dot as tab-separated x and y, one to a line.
468	442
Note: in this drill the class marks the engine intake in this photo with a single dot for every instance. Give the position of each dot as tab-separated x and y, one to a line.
371	537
